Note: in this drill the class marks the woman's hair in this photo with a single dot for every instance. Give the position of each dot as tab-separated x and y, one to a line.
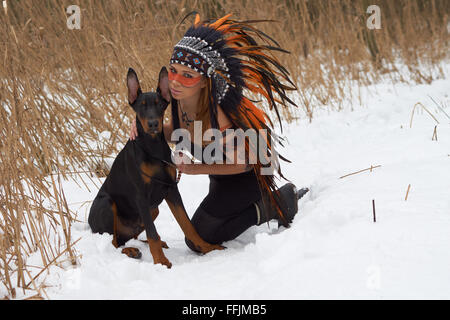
203	114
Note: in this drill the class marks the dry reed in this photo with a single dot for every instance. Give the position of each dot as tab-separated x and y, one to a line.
60	89
359	171
407	192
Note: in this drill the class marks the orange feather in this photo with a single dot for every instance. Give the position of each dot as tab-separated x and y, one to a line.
220	21
197	20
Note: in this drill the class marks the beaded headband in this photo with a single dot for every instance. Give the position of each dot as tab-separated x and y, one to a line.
197	54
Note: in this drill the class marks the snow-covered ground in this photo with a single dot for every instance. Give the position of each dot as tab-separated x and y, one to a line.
334	249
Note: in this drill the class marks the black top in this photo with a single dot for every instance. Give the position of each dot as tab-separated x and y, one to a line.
230	193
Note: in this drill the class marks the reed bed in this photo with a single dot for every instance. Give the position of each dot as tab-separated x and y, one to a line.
62	90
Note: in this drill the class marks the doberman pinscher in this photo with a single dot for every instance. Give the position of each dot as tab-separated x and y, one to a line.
141	177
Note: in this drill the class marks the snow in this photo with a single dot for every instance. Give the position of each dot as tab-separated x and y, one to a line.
334	249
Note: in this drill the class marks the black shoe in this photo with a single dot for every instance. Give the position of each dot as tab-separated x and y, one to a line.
301	193
290	196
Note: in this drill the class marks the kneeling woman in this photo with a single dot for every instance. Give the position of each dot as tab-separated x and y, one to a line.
209	68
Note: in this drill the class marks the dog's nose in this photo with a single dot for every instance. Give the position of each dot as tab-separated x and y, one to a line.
153	124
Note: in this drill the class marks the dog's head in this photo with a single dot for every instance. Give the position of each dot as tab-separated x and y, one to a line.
149	106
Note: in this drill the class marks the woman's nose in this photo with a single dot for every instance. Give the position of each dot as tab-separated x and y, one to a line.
175	84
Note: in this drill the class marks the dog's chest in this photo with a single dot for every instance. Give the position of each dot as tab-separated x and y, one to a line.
155	174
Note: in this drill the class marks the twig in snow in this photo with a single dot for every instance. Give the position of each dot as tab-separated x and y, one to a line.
414	108
407	192
439	107
434	137
373	208
371	167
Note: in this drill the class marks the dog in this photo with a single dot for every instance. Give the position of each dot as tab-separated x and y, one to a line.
141	177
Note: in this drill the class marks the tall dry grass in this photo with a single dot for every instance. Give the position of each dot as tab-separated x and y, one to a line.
61	88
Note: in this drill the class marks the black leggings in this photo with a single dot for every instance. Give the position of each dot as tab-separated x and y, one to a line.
228	209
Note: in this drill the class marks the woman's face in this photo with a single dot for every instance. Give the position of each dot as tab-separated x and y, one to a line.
184	82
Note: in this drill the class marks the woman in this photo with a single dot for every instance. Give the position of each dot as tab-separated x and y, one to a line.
209	68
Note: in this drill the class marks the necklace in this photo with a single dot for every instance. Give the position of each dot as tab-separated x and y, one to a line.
184	116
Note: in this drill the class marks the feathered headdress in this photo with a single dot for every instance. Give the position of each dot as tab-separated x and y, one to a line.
226	51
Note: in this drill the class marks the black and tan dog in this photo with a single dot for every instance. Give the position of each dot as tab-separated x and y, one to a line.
141	177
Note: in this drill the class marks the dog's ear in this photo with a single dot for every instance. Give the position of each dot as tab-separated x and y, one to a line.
163	84
134	88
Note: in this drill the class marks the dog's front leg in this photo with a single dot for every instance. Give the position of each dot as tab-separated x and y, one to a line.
175	204
153	239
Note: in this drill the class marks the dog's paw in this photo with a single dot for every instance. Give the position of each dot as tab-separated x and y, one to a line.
132	253
163	260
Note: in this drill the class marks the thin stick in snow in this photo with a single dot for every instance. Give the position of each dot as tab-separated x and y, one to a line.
434	137
414	108
407	192
373	208
371	167
439	106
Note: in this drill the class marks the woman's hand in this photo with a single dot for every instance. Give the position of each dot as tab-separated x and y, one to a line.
133	130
